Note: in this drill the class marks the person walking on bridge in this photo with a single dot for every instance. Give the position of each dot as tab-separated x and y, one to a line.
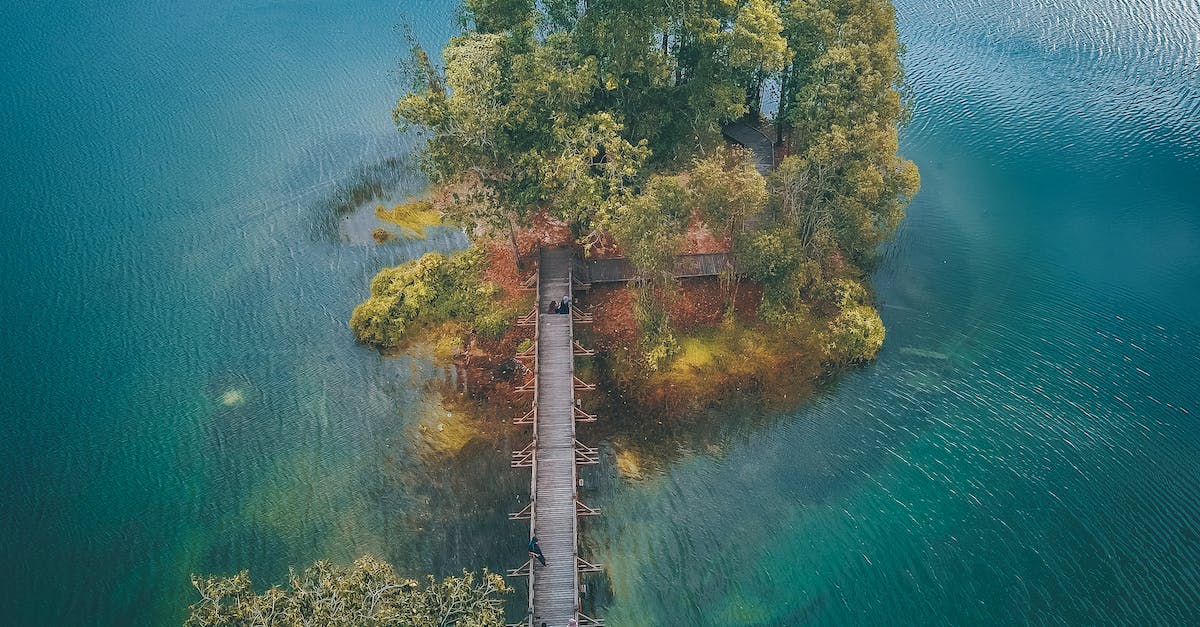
536	550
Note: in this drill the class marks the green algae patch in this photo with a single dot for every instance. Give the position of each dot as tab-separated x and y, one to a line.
233	398
412	217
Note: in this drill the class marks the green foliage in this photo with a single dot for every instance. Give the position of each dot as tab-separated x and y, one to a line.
789	296
650	226
757	43
840	106
726	189
769	257
493	16
430	290
579	109
758	48
855	335
510	121
849	293
369	593
659	343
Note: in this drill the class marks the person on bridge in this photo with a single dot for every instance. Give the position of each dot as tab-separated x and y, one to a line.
553	306
566	304
536	550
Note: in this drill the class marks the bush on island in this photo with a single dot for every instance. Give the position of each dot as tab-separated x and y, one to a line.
431	290
856	335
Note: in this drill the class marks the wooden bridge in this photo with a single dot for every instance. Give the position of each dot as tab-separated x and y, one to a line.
761	146
619	270
555	454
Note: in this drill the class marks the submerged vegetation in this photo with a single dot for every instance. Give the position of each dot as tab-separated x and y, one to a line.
412	217
367	593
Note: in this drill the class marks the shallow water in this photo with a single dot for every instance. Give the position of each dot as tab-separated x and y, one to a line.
181	393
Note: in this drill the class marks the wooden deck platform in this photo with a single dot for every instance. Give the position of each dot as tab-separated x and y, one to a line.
759	144
554	453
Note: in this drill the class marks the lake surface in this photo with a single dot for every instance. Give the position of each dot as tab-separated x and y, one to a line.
181	393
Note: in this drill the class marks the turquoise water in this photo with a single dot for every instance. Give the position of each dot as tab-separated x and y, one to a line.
181	394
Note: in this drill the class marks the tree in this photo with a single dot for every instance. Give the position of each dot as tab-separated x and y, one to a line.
367	594
591	172
757	47
430	290
840	107
649	228
509	124
727	190
494	16
769	257
794	201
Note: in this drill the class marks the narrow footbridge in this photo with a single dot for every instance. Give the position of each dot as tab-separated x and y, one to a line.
555	454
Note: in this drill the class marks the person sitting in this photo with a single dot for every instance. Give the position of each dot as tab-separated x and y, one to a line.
566	304
553	306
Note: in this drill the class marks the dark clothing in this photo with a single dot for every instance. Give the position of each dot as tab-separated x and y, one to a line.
554	307
536	550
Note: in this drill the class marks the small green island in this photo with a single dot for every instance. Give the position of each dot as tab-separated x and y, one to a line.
759	133
601	130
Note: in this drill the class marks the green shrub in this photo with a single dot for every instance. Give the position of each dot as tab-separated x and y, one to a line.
427	291
659	343
770	257
856	335
850	293
786	299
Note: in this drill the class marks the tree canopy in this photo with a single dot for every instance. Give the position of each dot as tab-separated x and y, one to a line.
607	114
430	290
570	108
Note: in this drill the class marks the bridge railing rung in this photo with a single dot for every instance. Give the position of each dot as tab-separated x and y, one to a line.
527	419
524	570
585	566
525	513
584	510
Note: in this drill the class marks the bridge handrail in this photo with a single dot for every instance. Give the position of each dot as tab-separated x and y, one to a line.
537	328
574	467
